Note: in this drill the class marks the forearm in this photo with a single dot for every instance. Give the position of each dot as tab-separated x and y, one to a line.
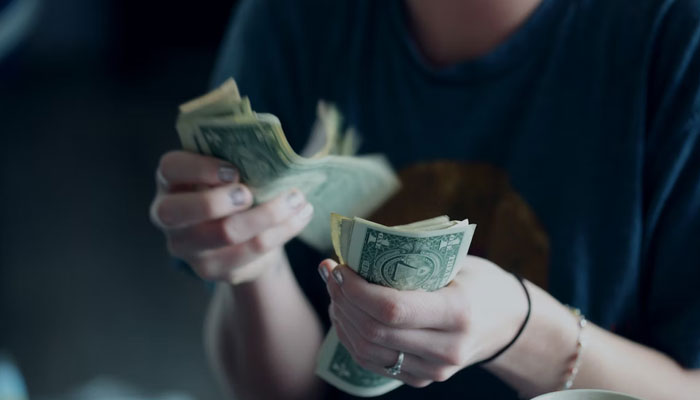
537	362
263	336
615	363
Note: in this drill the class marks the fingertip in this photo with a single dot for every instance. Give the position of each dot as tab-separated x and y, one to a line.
325	268
338	276
294	199
240	196
306	212
161	181
347	272
323	271
227	173
161	215
328	263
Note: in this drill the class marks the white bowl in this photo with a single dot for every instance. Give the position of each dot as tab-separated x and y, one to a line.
585	394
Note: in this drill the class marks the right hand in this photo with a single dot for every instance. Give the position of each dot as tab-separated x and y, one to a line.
209	222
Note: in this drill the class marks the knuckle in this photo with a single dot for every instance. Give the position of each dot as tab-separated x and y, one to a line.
167	162
274	211
226	231
206	270
373	332
459	312
461	321
450	358
392	312
441	374
260	244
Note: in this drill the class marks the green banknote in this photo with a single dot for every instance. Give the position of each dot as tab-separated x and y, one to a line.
423	255
223	125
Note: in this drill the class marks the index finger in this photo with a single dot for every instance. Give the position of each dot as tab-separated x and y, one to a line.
180	168
400	309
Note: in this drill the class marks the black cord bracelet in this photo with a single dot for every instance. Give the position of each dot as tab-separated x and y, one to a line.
522	327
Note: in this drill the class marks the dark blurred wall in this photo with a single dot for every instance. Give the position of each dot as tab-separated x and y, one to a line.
144	31
87	105
71	29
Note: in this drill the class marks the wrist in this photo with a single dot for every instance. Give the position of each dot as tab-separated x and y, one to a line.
263	273
518	324
538	360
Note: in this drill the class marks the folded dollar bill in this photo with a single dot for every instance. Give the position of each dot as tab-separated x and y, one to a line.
223	125
424	255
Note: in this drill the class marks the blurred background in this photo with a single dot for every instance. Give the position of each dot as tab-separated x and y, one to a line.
88	97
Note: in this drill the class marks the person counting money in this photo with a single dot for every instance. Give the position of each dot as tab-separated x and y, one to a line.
566	130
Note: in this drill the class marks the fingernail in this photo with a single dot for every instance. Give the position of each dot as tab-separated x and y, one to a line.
238	196
161	180
294	200
306	211
227	174
338	276
323	271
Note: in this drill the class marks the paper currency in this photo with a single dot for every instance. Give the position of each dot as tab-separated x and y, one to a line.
423	255
223	125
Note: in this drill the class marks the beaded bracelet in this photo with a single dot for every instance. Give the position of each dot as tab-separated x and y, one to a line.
575	360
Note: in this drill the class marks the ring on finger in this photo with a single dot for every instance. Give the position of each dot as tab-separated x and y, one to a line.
396	368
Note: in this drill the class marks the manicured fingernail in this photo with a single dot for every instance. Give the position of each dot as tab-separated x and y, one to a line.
161	180
238	196
338	276
306	211
323	271
294	200
227	174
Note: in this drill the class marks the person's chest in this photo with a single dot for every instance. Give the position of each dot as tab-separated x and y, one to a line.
547	159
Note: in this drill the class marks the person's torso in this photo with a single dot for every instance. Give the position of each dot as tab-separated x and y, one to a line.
540	143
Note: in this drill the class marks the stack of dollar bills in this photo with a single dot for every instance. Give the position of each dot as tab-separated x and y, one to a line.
424	255
223	125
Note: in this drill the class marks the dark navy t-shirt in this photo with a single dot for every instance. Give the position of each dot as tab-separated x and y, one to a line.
573	145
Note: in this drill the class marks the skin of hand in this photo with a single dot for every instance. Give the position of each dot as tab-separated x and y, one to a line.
208	219
440	332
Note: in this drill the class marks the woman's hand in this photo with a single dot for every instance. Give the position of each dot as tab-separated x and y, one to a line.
440	332
207	218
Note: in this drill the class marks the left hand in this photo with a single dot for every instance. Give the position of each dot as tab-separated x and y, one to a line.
440	332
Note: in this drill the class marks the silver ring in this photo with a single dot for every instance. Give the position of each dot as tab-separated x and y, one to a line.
396	368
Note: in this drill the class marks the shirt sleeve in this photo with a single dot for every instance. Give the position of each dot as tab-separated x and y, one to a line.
671	283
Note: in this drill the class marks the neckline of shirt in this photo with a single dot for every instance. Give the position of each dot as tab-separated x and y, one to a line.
527	40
